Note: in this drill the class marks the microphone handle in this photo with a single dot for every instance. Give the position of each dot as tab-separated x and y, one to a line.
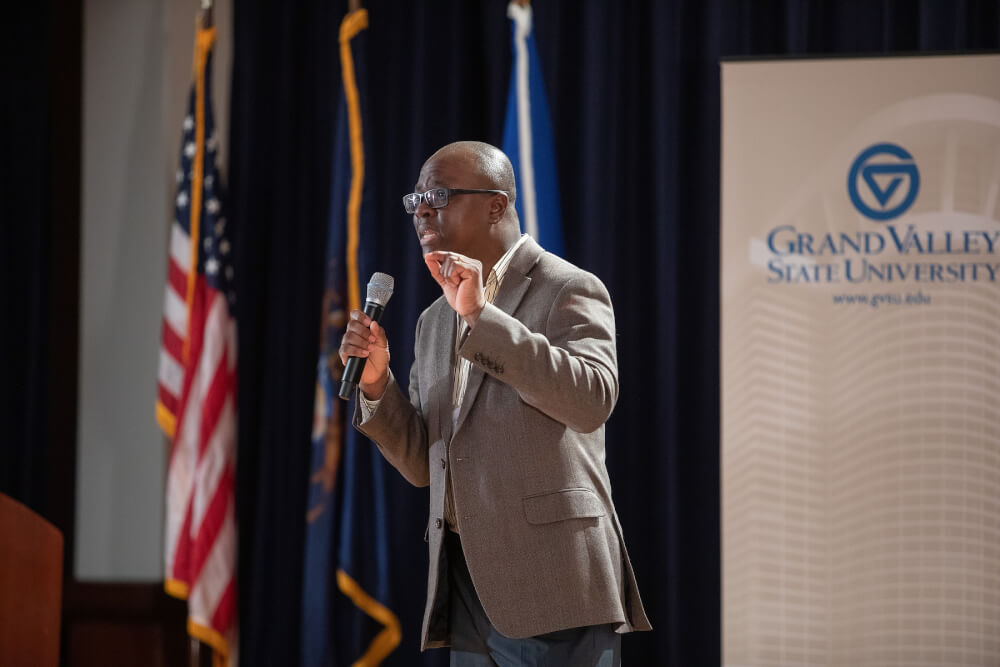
355	365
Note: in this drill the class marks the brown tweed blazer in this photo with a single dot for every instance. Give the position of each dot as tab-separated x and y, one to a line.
532	496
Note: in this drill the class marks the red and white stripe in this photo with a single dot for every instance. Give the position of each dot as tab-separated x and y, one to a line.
201	527
170	376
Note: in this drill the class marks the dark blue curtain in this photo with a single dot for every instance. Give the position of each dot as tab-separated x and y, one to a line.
40	126
27	258
634	93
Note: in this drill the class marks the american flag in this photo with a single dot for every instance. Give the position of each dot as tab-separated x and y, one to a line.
196	404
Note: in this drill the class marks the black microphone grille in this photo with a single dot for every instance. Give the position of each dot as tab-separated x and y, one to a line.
380	288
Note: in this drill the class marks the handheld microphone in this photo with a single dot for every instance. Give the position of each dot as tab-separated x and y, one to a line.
379	291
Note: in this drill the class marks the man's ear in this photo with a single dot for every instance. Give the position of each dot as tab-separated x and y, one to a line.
498	207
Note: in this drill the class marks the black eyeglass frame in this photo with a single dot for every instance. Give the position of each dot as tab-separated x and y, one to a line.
409	199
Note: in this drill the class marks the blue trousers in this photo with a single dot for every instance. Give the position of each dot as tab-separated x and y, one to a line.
476	643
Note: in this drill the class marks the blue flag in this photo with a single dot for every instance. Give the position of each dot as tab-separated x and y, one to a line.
527	138
346	617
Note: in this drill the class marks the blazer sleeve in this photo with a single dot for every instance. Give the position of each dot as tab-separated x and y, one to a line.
569	372
398	429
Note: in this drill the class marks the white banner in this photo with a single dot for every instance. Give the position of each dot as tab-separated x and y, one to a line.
861	361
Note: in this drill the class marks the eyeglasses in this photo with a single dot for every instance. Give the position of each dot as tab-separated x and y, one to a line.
438	197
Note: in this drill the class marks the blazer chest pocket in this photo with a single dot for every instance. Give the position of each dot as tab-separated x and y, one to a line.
561	505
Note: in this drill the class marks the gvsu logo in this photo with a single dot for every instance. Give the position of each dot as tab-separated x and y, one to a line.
883	182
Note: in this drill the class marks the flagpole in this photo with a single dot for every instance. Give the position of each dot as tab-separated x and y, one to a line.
206	14
201	654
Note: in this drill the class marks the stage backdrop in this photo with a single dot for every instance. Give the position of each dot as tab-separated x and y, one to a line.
861	361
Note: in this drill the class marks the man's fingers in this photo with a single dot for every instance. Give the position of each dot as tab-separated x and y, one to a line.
378	334
351	351
434	266
360	317
450	267
357	339
353	347
361	331
455	273
357	336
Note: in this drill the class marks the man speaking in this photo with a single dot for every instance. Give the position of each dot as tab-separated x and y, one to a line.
515	374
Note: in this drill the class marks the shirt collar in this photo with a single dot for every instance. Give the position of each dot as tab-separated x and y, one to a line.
500	268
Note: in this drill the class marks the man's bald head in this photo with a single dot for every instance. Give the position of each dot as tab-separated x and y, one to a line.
487	161
479	223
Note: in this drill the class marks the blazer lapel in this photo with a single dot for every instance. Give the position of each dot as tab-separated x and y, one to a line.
512	289
444	351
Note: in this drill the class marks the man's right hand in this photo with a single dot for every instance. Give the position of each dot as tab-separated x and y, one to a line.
366	339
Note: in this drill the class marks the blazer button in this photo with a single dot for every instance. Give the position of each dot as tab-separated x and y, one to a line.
443	464
437	523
